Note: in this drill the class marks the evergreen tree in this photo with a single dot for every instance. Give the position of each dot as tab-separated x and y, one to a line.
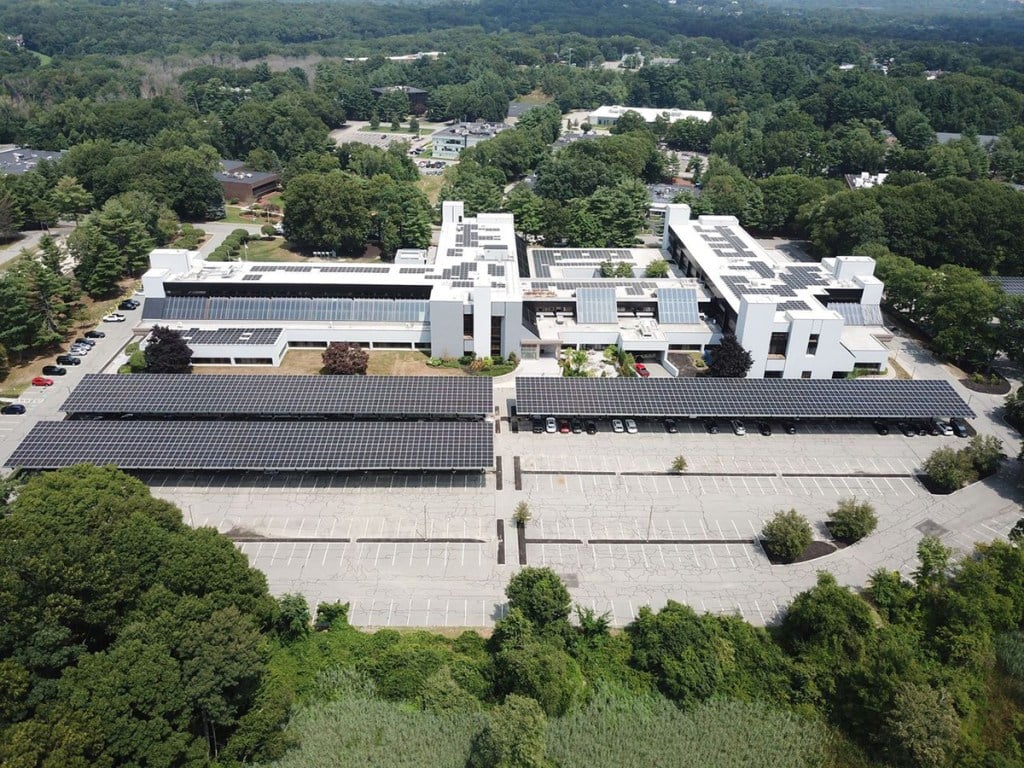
729	360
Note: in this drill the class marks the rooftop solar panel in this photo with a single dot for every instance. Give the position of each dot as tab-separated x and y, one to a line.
752	398
256	396
258	445
596	305
248	309
678	305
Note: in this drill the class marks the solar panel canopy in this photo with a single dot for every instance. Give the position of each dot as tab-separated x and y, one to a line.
752	398
255	396
258	445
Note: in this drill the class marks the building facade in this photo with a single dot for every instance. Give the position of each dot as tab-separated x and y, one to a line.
449	143
609	115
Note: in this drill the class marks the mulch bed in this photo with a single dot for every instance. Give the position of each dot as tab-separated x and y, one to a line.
684	363
814	550
1002	388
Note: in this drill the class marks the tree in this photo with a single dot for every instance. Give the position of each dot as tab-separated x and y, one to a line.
344	359
70	197
948	470
729	360
293	617
851	520
985	453
933	570
540	595
167	351
515	736
543	671
1016	534
786	535
5	370
328	212
628	122
657	268
575	363
923	725
1015	408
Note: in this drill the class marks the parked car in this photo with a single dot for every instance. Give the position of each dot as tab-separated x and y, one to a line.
959	427
42	381
764	428
68	360
128	304
114	317
631	427
906	429
880	427
550	425
641	370
789	427
617	426
79	349
54	370
591	427
671	427
711	426
538	426
14	409
927	428
738	428
564	427
577	426
95	335
85	341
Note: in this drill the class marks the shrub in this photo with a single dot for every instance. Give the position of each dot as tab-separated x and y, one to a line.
985	452
327	614
344	359
657	268
540	595
679	464
948	470
522	515
852	520
268	230
787	535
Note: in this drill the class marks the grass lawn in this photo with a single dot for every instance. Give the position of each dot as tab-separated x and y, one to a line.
296	362
431	187
234	215
277	249
405	362
386	128
535	97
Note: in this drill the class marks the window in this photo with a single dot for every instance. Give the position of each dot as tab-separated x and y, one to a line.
778	344
805	375
812	344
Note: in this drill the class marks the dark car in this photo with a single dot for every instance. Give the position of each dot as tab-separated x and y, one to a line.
926	428
538	426
591	427
54	370
85	341
711	427
959	427
68	360
128	304
880	427
906	429
95	335
764	428
14	409
577	426
671	427
789	427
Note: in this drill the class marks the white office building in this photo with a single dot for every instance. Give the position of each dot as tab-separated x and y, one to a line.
608	115
481	291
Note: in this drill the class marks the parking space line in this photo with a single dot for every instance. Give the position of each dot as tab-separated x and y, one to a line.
446	604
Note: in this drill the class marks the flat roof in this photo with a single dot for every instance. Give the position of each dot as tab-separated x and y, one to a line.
650	114
255	396
258	445
743	398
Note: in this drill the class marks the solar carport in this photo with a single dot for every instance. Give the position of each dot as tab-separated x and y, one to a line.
259	445
740	398
228	396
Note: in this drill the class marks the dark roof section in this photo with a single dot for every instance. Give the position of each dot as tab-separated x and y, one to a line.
1012	286
258	445
268	396
745	398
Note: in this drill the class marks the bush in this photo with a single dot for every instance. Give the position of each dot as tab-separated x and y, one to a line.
985	453
948	470
540	595
679	464
852	520
787	535
328	614
268	230
344	359
657	268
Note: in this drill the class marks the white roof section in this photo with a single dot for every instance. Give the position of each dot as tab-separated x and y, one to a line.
649	114
738	268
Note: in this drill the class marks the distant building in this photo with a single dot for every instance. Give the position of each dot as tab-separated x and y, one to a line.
865	180
986	140
449	143
239	183
18	160
417	96
609	115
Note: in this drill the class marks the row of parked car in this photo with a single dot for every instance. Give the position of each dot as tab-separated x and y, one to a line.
934	426
79	348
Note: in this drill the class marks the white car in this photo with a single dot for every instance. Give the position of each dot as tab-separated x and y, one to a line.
114	317
550	426
617	426
737	427
943	427
631	427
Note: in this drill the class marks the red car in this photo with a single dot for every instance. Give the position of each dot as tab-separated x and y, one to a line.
641	370
42	381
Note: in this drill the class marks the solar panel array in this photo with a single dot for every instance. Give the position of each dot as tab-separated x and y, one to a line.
254	396
253	336
753	398
858	314
258	445
346	268
284	309
633	287
596	305
678	305
545	258
1013	286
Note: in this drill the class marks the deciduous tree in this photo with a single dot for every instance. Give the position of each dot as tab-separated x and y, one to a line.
167	352
344	359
